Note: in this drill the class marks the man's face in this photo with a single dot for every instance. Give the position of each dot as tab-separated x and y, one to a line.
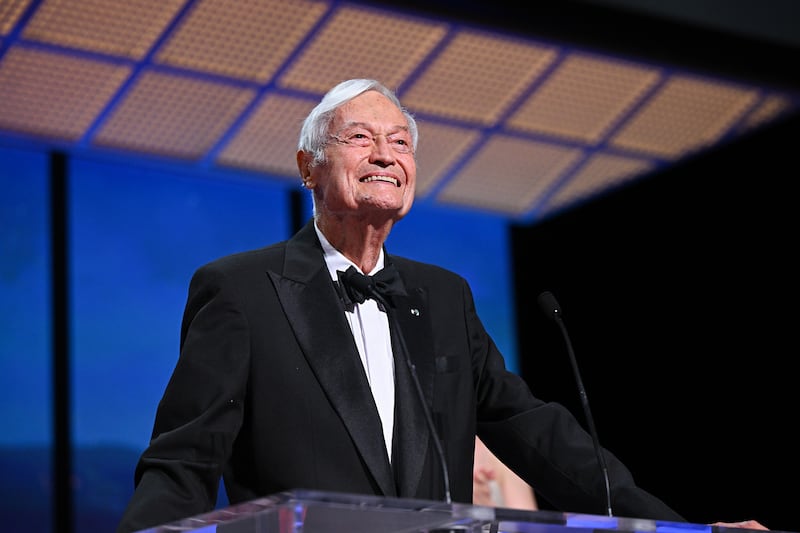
370	168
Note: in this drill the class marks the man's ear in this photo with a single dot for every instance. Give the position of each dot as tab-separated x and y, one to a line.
304	163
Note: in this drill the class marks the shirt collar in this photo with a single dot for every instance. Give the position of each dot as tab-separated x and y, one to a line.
335	260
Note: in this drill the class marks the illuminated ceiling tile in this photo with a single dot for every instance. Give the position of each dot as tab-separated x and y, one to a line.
583	98
173	116
477	77
685	115
767	110
439	149
51	94
10	12
363	43
245	40
464	84
597	174
267	142
127	28
509	175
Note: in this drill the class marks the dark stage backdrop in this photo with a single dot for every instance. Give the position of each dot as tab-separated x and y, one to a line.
680	294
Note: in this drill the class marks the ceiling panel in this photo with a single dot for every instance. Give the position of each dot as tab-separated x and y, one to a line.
267	140
496	178
584	98
360	42
513	123
683	116
476	77
118	28
173	115
244	40
50	94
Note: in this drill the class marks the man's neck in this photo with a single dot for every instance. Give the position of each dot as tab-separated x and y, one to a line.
360	241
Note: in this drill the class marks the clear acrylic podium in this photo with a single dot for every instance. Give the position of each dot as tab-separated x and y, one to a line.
304	511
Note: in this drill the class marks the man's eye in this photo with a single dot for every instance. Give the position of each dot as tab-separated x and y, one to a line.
359	136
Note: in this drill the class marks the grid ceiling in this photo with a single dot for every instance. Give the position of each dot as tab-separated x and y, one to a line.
509	124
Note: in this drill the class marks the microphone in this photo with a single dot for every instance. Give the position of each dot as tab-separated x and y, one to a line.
367	286
549	305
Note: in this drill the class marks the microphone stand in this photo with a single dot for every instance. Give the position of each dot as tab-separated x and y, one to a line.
365	284
551	308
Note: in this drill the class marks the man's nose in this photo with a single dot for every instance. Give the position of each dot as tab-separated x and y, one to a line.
382	149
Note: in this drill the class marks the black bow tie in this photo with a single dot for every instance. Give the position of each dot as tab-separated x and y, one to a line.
355	287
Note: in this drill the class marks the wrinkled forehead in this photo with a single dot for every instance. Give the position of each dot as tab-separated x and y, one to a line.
370	110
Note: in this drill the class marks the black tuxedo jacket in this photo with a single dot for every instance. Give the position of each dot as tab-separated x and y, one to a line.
269	392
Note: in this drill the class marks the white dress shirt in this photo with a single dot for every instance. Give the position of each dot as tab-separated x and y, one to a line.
370	327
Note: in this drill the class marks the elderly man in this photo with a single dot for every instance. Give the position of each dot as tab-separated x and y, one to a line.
297	372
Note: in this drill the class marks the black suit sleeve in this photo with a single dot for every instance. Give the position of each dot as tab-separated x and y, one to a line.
199	415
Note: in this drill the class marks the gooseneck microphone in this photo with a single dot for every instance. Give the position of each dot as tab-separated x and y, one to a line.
550	306
366	286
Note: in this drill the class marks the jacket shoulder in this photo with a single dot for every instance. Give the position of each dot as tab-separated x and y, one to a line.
426	273
265	257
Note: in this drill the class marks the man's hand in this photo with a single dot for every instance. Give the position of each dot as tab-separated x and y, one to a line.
482	480
745	524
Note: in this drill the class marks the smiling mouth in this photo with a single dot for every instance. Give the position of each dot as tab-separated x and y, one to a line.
386	179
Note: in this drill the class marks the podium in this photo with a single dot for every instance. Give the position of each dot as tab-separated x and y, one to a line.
303	511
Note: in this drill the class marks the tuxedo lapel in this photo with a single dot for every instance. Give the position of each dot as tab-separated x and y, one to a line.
316	315
411	430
